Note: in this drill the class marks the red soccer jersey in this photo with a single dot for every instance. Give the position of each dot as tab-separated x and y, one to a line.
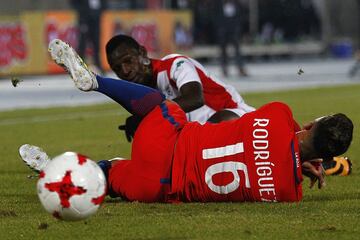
254	158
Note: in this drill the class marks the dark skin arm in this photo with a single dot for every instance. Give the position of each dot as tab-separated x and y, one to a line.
223	115
191	96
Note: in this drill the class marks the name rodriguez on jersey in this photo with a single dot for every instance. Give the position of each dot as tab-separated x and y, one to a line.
264	168
253	158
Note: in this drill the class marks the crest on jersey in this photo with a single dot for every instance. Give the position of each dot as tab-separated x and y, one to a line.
178	64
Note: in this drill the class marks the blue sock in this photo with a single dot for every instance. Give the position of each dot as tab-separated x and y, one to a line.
105	166
135	98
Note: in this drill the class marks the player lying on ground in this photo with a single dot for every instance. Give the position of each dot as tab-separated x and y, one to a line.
184	80
258	157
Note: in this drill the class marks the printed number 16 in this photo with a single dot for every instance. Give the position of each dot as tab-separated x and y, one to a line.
222	167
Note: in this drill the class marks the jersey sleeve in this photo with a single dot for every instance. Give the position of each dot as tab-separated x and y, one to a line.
297	127
183	71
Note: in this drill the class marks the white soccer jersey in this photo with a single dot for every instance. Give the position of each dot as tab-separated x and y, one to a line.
174	70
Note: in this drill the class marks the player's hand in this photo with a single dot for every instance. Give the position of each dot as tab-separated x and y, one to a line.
314	170
130	126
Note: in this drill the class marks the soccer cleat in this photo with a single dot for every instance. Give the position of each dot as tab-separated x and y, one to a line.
34	157
66	57
338	166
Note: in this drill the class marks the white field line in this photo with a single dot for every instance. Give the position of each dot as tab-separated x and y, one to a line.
59	117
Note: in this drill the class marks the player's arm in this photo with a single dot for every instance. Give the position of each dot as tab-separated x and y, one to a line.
191	96
187	79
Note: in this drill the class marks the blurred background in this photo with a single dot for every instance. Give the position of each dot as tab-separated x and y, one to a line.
278	40
268	29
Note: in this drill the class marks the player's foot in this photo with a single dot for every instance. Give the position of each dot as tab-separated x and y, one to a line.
66	57
338	166
34	157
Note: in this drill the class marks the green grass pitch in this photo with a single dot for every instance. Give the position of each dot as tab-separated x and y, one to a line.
330	213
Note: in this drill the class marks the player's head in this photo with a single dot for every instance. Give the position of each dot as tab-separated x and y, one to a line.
332	135
129	60
327	137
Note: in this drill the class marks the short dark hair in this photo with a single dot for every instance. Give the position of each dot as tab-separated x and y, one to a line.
332	135
120	41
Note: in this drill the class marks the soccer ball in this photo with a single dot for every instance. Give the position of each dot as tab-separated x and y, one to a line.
71	187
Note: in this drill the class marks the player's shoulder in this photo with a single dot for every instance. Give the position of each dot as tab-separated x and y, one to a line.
177	59
173	56
168	62
175	62
280	113
277	107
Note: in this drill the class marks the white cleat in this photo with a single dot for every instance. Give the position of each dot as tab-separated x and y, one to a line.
66	57
34	157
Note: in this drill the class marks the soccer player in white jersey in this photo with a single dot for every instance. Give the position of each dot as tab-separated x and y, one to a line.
180	78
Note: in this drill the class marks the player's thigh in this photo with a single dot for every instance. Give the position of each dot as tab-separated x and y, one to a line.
157	134
136	182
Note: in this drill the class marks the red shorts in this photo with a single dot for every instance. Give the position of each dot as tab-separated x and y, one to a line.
146	177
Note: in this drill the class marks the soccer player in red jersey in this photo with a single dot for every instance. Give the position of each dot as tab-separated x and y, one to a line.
258	157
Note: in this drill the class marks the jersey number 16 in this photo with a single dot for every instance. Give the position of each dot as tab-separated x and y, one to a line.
222	167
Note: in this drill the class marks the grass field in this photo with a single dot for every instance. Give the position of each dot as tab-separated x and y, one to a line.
330	213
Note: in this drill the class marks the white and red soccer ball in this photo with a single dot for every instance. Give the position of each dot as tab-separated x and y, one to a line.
71	187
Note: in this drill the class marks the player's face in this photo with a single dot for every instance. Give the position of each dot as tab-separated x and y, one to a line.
306	139
128	66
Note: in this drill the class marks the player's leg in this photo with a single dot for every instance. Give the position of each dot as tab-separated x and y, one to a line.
127	177
224	54
236	42
95	39
135	98
37	159
133	181
83	33
147	176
